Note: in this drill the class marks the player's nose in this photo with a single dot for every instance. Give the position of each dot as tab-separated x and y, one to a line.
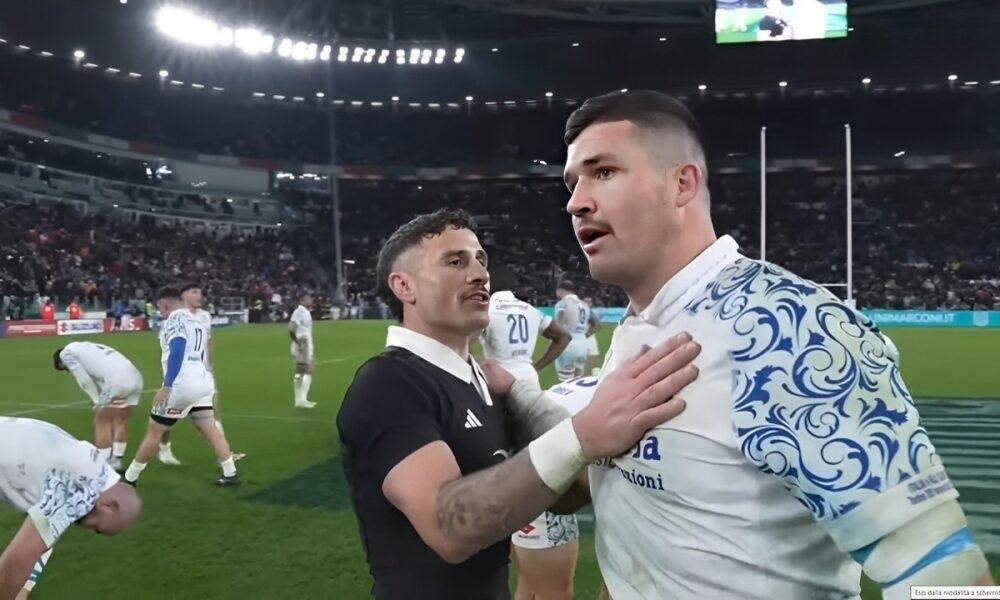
581	202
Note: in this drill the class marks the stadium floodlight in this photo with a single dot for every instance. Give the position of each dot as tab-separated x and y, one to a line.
383	56
400	60
342	58
23	47
453	105
433	105
425	56
164	73
285	48
249	40
176	82
576	44
663	39
299	51
297	99
357	103
624	90
325	54
414	56
320	94
198	86
278	97
400	53
134	75
900	153
866	80
995	82
415	104
338	102
510	102
376	103
548	94
311	51
952	77
89	65
216	88
187	26
226	37
112	70
439	59
494	49
78	54
45	54
266	44
369	55
702	87
259	94
395	98
3	41
469	98
971	83
783	84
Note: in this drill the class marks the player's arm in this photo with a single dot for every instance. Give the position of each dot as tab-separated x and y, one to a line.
594	324
459	515
19	559
83	379
293	329
559	339
869	473
211	353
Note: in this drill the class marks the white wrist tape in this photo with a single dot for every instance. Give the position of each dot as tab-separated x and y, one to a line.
558	457
529	404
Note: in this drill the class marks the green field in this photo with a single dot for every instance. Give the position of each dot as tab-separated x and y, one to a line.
288	531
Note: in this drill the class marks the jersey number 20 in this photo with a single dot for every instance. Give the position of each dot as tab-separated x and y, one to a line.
518	333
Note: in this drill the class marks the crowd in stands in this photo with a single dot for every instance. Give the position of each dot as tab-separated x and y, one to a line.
801	123
56	251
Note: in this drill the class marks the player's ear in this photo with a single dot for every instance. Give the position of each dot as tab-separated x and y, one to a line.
687	182
402	287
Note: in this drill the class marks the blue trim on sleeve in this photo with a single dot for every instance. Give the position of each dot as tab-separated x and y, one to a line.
956	543
861	554
174	360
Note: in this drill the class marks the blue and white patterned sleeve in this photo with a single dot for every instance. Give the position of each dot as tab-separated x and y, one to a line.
173	328
67	497
819	404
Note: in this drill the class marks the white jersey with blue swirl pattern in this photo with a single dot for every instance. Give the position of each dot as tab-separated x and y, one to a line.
799	444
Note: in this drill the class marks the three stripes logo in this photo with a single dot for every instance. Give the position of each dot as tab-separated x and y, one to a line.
471	421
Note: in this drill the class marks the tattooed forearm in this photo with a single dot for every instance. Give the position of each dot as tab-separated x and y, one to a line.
485	507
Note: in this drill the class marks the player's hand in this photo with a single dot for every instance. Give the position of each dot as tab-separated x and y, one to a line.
498	378
160	399
637	397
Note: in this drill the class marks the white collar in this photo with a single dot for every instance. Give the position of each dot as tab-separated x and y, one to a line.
505	295
723	251
440	356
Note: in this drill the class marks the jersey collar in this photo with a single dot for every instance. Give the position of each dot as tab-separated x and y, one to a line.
440	356
707	264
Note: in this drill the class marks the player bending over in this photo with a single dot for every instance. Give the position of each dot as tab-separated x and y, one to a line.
188	389
57	481
574	315
545	551
593	350
512	334
300	328
113	383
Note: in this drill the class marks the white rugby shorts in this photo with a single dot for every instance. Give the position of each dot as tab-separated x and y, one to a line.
523	370
549	530
592	349
573	361
121	390
195	390
302	353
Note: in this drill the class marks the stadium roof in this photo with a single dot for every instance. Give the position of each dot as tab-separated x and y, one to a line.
513	48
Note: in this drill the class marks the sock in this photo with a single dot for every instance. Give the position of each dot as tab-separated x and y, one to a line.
297	386
306	382
134	470
218	425
104	453
118	449
229	467
165	447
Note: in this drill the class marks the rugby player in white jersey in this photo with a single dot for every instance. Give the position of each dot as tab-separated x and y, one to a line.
300	329
57	481
546	550
188	389
593	350
574	315
800	458
512	334
114	385
193	300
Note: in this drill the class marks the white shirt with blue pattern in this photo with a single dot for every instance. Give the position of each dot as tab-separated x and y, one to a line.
50	475
799	444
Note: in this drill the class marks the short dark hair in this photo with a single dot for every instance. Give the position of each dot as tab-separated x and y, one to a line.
57	360
644	108
566	285
190	286
168	293
410	235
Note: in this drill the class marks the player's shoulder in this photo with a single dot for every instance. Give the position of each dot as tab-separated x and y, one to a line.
394	376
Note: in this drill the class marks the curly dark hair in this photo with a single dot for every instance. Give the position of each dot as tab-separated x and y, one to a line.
410	235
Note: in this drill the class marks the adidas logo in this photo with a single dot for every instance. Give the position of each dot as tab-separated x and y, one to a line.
471	421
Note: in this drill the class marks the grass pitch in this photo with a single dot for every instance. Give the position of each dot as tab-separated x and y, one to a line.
289	531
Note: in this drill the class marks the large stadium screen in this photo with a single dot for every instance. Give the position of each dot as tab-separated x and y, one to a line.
738	21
